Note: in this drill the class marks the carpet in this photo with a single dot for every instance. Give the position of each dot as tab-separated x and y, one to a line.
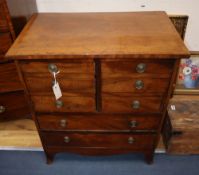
34	163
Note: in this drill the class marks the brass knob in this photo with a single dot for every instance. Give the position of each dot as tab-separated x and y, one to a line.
66	139
63	123
133	124
131	140
141	68
2	109
136	104
139	84
52	68
59	103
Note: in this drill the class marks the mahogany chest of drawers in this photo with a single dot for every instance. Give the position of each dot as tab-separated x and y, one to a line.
10	85
116	72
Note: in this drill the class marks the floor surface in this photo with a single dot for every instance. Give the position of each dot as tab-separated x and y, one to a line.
33	163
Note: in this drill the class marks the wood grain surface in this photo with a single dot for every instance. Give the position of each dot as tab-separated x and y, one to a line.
116	140
9	81
17	134
98	122
124	68
6	42
15	106
3	21
185	125
132	35
125	84
72	77
66	67
11	90
186	115
23	134
80	102
123	102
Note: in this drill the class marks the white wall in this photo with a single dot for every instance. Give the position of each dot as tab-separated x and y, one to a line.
188	7
22	7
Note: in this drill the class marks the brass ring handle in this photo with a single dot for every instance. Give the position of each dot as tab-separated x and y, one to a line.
63	123
136	104
59	103
133	124
52	68
131	140
2	109
141	67
66	139
139	84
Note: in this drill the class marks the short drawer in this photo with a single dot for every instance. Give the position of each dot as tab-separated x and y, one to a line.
72	77
13	106
124	140
136	85
122	102
6	42
77	103
71	69
137	68
38	83
9	80
98	122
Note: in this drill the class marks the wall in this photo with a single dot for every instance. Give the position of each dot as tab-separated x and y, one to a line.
188	7
23	8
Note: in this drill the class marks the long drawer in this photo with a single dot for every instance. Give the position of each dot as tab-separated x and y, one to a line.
125	102
13	106
96	122
117	140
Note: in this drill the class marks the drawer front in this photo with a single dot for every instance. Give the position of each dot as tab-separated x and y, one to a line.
42	83
72	69
136	85
6	42
76	80
9	80
121	102
137	68
13	109
97	122
64	139
72	77
186	142
76	103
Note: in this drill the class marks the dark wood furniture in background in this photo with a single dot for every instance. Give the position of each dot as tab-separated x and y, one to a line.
180	23
184	125
180	130
13	104
116	71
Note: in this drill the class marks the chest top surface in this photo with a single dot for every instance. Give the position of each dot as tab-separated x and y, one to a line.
88	35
